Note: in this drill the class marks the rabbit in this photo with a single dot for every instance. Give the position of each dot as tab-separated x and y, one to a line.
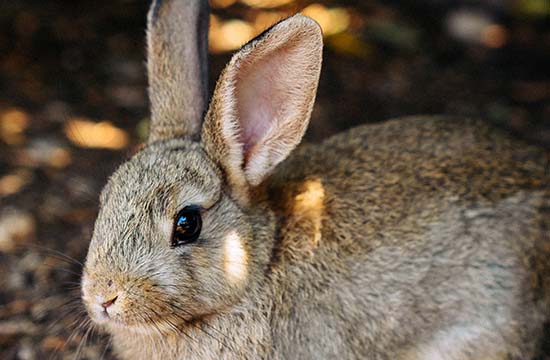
418	238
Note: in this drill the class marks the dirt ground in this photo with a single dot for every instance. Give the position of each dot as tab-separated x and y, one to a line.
67	66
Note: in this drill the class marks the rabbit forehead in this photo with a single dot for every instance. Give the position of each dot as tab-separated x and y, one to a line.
153	186
174	173
145	194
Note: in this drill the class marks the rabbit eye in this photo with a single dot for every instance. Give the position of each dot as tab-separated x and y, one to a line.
187	226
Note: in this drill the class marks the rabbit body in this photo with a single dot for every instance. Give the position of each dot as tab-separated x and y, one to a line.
401	240
418	238
431	247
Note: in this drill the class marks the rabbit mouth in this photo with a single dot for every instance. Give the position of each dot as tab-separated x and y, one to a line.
141	309
159	326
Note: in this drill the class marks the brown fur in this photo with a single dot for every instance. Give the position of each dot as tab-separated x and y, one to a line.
178	67
419	238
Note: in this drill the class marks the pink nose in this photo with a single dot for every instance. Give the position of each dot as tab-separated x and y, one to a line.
108	303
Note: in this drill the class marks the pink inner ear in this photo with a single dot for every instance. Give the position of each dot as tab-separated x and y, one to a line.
261	94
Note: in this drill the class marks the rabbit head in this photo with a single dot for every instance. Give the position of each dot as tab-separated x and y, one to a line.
182	233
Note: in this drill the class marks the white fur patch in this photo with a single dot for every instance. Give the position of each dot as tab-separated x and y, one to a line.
235	258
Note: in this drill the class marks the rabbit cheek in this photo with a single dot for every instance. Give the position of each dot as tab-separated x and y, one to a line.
219	276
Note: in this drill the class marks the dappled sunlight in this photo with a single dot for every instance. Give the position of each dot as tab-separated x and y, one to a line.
231	34
16	228
265	19
221	4
476	27
266	4
13	123
59	158
494	36
14	182
309	206
228	35
87	133
44	152
332	21
235	258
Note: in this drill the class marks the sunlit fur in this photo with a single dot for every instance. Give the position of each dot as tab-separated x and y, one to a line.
387	241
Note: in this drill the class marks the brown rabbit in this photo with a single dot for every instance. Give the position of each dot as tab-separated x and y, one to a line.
419	238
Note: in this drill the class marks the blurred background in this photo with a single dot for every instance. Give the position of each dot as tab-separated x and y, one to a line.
73	105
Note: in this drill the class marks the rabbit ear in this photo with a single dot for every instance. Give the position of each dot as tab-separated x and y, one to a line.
177	45
263	100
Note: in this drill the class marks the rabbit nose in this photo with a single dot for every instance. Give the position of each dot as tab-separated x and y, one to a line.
108	303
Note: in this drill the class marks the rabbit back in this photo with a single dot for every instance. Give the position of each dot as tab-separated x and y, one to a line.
428	236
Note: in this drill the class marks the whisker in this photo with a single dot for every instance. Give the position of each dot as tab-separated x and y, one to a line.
105	349
172	306
172	325
83	341
60	255
211	327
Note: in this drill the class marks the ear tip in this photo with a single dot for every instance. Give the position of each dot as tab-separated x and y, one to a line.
307	22
307	26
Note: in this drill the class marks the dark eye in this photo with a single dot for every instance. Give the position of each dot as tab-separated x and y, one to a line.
187	226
